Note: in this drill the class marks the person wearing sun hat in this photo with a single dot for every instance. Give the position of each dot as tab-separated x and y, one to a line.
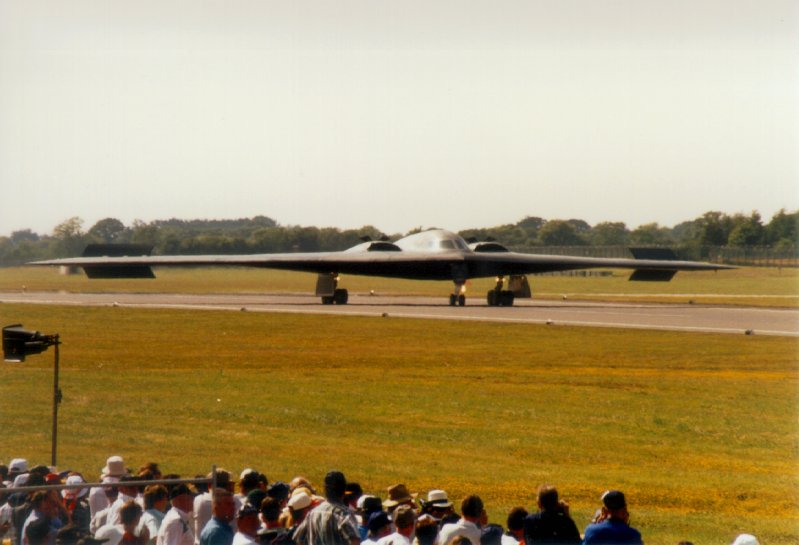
113	470
76	503
398	495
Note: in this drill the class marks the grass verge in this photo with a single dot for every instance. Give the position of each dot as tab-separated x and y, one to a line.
699	430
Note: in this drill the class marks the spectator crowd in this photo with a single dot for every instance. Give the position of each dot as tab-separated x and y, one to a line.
125	510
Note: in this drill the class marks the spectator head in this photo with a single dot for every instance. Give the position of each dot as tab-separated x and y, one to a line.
279	491
398	495
114	467
335	485
17	466
450	519
270	510
352	492
130	513
426	530
746	539
367	505
41	468
491	535
547	497
128	489
111	492
182	497
156	497
298	482
72	494
249	481
248	522
379	525
472	507
223	479
40	499
437	504
461	540
615	505
299	505
256	498
224	506
515	520
151	468
404	519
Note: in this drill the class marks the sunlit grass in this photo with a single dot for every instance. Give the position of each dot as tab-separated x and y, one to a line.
746	286
699	430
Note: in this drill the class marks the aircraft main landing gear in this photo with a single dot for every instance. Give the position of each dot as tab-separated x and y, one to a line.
499	297
339	297
326	288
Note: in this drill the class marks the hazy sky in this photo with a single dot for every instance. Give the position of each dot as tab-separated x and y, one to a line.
396	114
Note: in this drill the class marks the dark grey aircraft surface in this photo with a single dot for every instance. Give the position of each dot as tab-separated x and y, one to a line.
429	255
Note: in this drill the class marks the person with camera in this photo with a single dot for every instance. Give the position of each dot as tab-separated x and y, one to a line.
552	523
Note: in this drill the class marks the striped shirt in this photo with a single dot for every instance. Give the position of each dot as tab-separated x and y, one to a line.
330	523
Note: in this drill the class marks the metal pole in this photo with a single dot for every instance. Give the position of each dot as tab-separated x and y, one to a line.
56	401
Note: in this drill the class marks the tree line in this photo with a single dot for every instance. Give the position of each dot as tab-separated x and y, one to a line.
693	239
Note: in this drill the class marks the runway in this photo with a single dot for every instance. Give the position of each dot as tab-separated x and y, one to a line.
680	317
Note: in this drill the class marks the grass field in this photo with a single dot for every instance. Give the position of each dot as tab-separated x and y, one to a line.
699	430
746	286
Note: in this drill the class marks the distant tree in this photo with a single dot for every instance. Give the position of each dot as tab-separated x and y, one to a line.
580	227
684	232
531	225
24	235
559	233
713	229
70	237
783	230
107	230
144	233
609	234
651	234
747	231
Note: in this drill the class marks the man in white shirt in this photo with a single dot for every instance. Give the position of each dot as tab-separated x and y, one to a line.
404	521
113	470
472	516
248	526
126	494
176	528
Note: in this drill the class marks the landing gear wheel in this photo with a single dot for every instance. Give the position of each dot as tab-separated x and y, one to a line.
491	298
461	300
327	299
506	298
341	296
452	299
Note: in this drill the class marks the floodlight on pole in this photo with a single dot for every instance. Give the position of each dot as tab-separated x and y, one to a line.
18	343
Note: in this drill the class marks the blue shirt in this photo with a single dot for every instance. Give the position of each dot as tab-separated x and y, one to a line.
611	532
216	532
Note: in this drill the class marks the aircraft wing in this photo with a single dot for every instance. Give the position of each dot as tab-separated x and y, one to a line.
445	265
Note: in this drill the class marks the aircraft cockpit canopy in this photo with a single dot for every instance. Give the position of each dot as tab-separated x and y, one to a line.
433	241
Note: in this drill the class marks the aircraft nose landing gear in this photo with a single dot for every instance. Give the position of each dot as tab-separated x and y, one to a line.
459	297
